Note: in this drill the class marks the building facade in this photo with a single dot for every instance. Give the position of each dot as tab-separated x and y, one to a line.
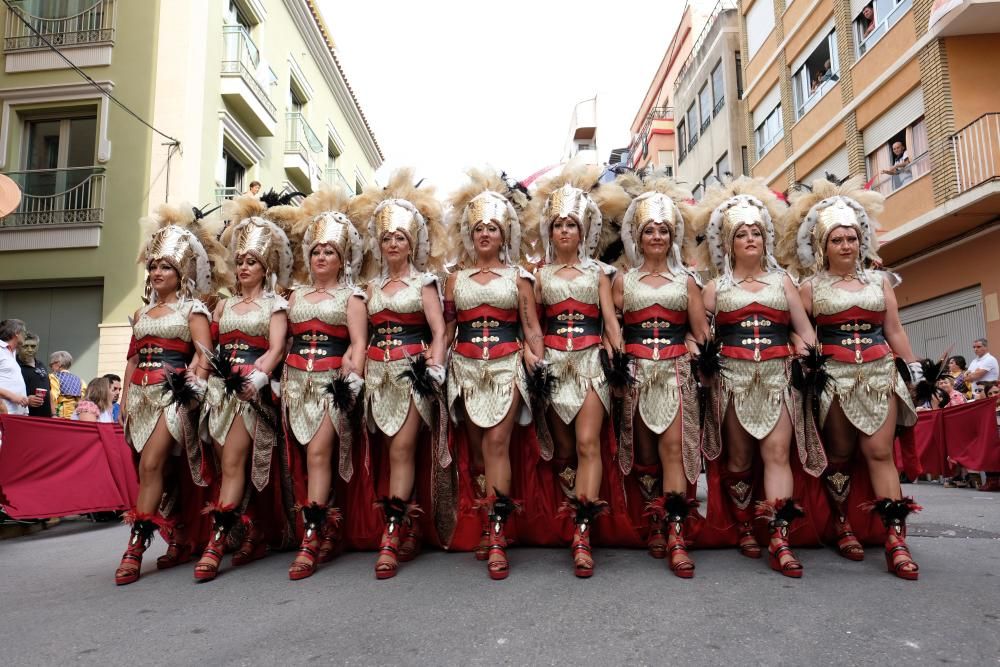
250	89
899	91
710	135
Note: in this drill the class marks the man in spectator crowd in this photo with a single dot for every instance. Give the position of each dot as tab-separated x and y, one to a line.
900	169
116	394
36	380
983	368
13	394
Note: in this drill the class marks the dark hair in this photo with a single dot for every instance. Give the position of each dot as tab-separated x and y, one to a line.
959	361
10	328
111	377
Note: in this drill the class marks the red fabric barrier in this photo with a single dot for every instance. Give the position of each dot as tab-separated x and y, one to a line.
58	467
966	434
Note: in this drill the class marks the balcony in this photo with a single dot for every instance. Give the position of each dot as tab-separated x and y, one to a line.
887	184
977	152
60	208
301	144
659	120
240	85
335	177
222	194
85	38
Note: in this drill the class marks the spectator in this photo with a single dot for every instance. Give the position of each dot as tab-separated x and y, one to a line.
993	478
867	21
36	380
983	368
13	394
947	385
116	394
956	369
254	188
827	73
96	405
900	169
64	387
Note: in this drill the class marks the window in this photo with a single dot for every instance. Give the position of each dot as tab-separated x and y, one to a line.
665	160
718	89
769	132
682	139
235	172
235	16
59	156
722	167
744	160
874	20
697	192
709	179
816	75
692	124
705	102
759	23
904	156
739	76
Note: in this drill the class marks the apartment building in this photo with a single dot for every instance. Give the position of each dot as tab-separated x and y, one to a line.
863	86
710	127
250	89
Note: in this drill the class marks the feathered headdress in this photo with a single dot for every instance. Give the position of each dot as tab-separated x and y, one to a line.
325	220
816	209
181	235
724	208
486	196
402	206
657	198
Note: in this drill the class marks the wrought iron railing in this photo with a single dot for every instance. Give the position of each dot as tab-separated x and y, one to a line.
977	151
93	25
58	197
241	58
299	137
333	176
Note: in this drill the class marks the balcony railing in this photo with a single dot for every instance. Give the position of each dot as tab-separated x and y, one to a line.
889	183
242	58
299	137
977	151
222	194
640	142
334	176
694	55
58	197
93	25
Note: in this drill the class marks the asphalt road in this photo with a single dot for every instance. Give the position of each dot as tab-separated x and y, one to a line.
58	604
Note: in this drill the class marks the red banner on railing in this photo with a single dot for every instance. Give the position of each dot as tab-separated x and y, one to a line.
966	434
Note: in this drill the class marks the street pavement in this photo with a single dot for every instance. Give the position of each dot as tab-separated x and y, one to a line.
60	605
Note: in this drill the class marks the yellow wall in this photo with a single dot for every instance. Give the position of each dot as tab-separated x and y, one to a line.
909	202
972	66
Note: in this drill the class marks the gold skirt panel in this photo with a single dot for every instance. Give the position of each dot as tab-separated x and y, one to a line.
757	390
863	391
486	387
664	388
306	402
387	397
219	410
576	372
145	405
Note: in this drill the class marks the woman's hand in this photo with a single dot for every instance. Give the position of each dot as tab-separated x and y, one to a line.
530	359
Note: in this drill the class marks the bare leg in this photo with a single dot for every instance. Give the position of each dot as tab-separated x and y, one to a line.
774	450
402	455
319	456
235	454
739	443
588	423
496	451
840	437
877	450
672	458
152	462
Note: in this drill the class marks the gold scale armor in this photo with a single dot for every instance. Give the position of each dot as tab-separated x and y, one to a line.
147	401
577	371
862	389
486	385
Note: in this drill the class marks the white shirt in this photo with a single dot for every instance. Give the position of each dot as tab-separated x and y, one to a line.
11	378
988	363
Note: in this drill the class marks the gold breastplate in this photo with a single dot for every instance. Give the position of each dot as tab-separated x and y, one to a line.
407	300
254	322
830	300
638	294
583	287
499	292
173	325
331	311
736	297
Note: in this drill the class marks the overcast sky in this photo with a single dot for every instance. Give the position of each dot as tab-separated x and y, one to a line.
450	85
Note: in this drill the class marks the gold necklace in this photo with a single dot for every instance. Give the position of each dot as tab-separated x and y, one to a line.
749	279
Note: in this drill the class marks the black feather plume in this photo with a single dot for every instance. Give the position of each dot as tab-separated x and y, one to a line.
809	373
177	386
417	375
617	371
836	181
286	199
233	380
708	358
541	382
271	198
613	251
340	391
201	213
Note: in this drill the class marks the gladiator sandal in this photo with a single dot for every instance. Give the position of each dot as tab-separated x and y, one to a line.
897	555
650	482
837	480
143	527
501	507
585	514
178	548
315	518
780	514
673	509
330	545
224	517
409	538
739	488
252	547
482	550
395	512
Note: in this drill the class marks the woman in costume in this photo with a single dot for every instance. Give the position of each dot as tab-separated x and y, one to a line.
406	352
328	326
757	314
239	414
164	385
490	313
858	328
574	291
664	319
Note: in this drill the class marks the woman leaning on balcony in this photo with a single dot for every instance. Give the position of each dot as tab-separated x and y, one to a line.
858	329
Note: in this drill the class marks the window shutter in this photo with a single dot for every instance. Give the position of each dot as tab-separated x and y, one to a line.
904	112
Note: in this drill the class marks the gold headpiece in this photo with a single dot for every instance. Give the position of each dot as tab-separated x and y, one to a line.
173	244
567	202
657	208
335	229
734	217
393	217
489	207
255	239
837	214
